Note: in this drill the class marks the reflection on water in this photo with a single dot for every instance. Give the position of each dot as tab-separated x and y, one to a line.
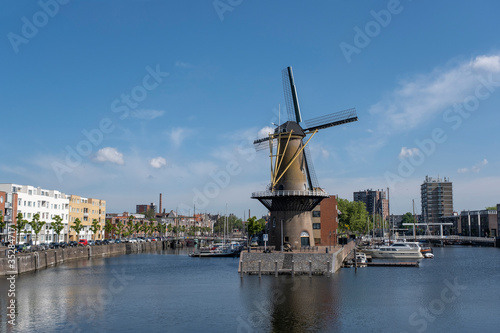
169	291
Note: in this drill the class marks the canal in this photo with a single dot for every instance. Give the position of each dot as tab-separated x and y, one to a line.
458	290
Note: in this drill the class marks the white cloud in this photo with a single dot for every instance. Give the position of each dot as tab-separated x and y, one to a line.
157	162
264	132
475	168
423	96
177	135
487	63
109	154
182	64
146	114
408	152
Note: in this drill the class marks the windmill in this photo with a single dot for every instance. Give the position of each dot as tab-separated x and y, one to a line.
294	190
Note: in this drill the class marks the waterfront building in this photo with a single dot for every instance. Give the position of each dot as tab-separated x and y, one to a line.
479	223
33	200
437	199
376	202
86	210
8	210
450	229
325	222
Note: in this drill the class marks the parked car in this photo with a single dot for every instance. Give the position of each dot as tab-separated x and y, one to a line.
53	245
98	242
73	243
132	240
91	242
117	241
63	244
105	241
83	242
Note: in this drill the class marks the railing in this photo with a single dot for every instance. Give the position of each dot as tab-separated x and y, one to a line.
444	238
290	193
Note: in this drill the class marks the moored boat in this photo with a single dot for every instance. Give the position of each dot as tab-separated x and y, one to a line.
398	250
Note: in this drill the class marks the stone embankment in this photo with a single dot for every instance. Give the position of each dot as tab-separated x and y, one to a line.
312	263
29	262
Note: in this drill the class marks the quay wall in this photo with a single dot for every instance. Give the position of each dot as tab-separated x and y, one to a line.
293	262
29	262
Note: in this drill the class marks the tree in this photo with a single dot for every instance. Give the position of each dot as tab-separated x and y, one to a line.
408	218
57	225
150	214
255	226
96	226
169	228
109	228
353	216
36	225
119	227
130	225
491	208
20	225
77	227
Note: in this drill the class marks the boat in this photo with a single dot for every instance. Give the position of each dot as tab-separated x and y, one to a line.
428	255
361	258
217	250
397	250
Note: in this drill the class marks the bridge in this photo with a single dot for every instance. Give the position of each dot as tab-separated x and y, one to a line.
447	239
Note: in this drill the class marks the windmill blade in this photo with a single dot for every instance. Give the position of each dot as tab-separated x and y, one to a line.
261	144
291	99
311	174
334	119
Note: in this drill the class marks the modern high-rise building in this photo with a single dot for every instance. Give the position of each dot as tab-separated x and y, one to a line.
437	199
376	202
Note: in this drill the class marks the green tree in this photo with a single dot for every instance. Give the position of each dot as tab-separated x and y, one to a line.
255	226
491	208
137	227
150	214
408	218
130	225
109	228
169	228
119	227
353	216
95	227
77	227
36	225
20	225
57	225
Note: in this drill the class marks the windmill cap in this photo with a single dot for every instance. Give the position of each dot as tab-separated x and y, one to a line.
289	126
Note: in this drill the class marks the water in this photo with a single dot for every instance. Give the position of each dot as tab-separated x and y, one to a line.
458	290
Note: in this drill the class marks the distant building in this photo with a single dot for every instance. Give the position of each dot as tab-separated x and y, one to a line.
450	229
479	223
8	210
437	199
376	202
325	222
142	209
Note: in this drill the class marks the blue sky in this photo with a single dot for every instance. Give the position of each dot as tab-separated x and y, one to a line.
123	100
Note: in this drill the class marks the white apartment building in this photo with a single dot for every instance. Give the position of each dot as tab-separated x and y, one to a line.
47	203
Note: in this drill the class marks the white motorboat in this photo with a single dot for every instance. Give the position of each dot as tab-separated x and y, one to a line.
398	250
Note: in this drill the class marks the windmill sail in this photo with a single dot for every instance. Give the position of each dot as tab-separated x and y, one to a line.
333	119
311	174
291	99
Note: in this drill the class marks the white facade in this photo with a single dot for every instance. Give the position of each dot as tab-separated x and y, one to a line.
47	203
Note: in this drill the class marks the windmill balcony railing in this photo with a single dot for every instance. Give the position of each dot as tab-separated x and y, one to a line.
290	193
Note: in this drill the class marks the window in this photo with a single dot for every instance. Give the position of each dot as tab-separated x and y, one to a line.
316	213
316	225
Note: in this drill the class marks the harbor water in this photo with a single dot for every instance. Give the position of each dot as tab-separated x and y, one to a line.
457	291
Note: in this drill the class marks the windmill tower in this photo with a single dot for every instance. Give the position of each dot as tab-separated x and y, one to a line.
294	190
